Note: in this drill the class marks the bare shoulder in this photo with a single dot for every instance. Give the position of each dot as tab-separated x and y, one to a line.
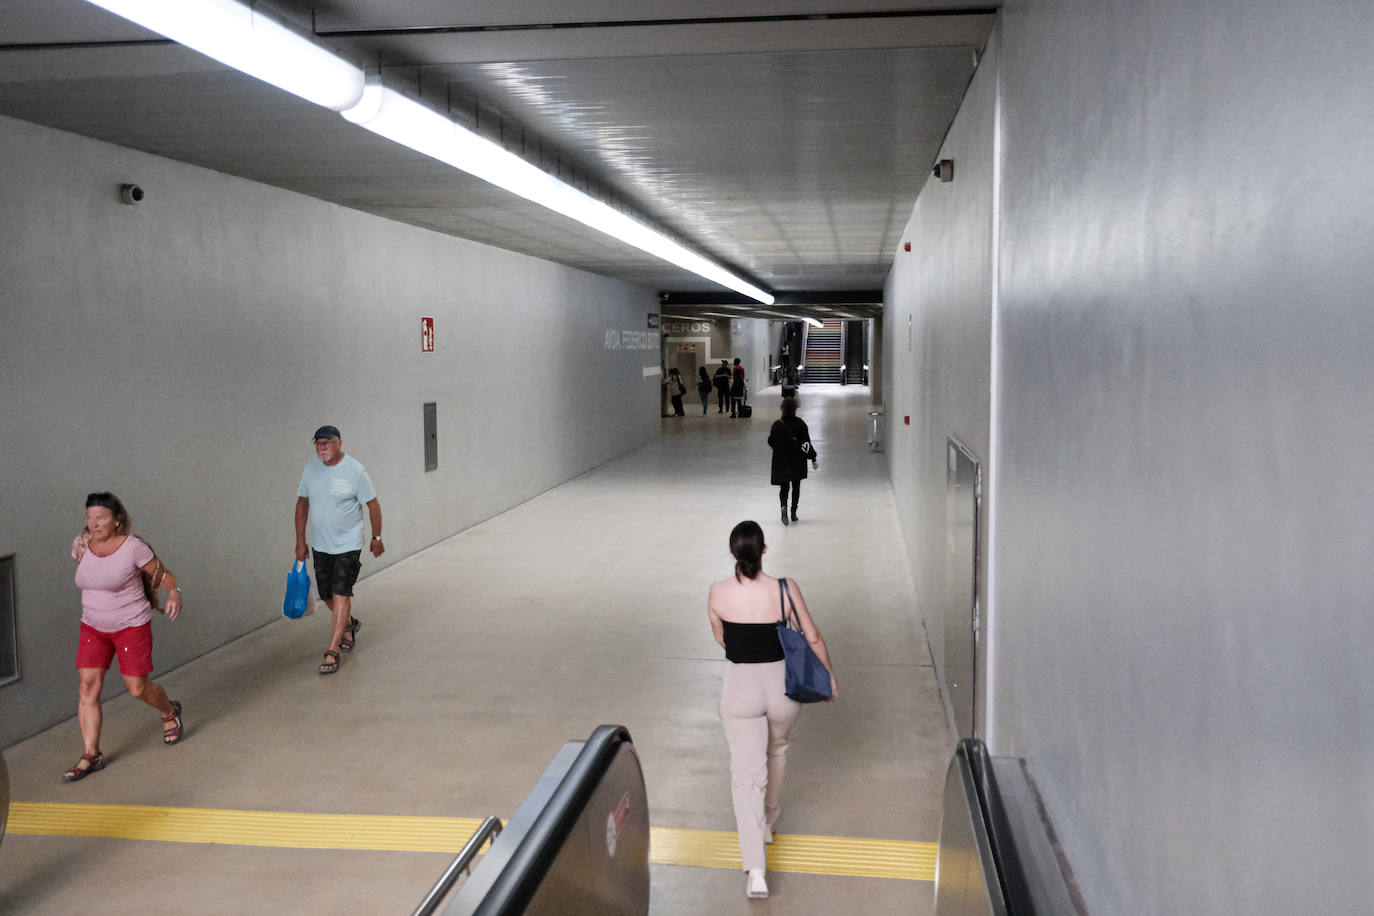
717	591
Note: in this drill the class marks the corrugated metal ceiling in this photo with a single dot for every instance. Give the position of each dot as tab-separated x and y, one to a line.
786	140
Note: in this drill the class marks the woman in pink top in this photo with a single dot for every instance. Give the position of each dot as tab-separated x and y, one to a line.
116	620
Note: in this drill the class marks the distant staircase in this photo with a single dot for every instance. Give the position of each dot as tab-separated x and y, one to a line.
854	353
823	356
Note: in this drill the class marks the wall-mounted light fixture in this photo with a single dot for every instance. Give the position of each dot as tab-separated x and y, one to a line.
261	46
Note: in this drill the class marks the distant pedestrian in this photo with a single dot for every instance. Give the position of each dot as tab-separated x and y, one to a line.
675	391
117	604
738	389
333	490
722	382
791	443
704	387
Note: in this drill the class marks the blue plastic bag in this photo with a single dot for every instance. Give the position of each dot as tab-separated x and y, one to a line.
297	600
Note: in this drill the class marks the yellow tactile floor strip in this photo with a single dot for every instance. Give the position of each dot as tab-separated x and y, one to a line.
815	855
795	852
244	828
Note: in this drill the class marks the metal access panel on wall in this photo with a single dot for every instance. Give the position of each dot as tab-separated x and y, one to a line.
431	436
9	631
963	498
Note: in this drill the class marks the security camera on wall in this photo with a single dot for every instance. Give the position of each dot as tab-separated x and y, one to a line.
131	194
944	170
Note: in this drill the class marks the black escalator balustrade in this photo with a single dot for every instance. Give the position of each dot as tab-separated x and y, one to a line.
579	843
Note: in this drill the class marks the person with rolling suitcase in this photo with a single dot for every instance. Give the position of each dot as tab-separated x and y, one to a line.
738	390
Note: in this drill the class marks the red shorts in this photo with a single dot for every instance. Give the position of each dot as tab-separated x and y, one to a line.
133	645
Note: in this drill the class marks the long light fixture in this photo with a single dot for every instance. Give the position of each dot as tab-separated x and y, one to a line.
252	42
403	120
263	47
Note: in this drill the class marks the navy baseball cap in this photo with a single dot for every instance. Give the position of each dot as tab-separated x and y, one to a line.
327	432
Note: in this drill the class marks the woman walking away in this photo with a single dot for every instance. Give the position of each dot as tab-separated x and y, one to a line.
791	443
116	619
675	391
704	386
745	611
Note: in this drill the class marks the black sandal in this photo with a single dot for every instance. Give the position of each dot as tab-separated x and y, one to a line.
94	762
328	667
354	625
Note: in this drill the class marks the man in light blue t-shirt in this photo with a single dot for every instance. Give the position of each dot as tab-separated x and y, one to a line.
334	488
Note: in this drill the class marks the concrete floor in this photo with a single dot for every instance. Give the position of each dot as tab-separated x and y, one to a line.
480	656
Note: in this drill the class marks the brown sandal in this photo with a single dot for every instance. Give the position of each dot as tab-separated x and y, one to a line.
328	667
94	762
351	634
172	735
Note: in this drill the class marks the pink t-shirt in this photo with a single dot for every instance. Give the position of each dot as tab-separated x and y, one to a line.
112	596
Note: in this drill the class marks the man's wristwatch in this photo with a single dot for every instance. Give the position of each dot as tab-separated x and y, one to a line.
376	537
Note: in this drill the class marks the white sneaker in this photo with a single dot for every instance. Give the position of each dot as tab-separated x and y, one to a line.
757	888
767	836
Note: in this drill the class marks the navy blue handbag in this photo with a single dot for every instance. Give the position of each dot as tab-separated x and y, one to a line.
806	680
297	598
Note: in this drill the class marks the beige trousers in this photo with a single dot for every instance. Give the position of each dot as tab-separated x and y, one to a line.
757	717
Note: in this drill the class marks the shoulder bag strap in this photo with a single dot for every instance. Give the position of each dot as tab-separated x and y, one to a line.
786	593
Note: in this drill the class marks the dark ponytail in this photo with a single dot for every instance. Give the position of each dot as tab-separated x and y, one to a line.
746	546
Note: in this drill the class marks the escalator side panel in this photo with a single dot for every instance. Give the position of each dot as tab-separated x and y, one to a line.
603	867
966	881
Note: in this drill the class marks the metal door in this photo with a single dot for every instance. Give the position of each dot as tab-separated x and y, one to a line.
687	362
964	494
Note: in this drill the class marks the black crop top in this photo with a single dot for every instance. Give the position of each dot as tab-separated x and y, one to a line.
752	643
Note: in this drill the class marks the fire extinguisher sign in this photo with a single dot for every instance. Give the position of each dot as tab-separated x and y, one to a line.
426	335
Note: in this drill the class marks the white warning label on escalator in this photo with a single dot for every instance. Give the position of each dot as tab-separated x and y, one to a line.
615	822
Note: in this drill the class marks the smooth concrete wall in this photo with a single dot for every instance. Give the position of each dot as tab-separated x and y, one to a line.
936	336
181	352
1182	407
715	333
749	340
1184	518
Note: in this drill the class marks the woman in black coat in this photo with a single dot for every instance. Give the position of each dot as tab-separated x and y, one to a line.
791	443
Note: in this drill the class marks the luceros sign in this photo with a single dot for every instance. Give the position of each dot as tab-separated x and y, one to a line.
687	327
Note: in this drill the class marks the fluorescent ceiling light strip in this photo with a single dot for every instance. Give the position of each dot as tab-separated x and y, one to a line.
261	46
814	323
251	42
403	120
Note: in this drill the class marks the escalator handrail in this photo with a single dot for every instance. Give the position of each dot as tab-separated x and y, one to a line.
490	829
1010	873
527	865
